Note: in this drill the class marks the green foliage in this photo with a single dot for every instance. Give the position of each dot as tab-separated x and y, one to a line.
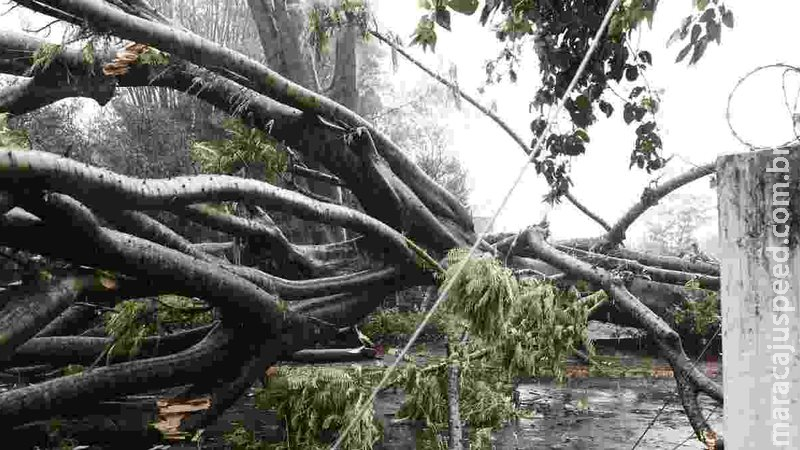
425	34
153	56
394	323
44	55
73	369
223	208
324	20
546	325
183	310
627	17
88	54
703	314
430	438
245	147
602	366
702	27
11	138
127	328
240	438
483	293
485	399
530	326
313	401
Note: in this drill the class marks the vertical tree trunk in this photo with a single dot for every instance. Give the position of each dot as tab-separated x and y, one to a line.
759	212
453	396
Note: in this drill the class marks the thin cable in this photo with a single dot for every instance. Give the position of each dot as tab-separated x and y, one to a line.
553	115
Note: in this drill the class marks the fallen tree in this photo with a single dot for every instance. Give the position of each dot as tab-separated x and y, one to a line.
100	228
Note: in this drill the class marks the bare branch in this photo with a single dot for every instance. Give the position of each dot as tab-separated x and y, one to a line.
106	188
199	50
655	274
650	197
587	211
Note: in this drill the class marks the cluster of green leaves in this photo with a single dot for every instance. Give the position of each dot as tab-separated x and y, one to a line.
314	402
485	400
398	324
325	19
72	369
153	56
10	137
244	148
182	310
705	25
562	33
607	366
87	53
628	17
127	328
44	55
240	438
531	326
703	314
438	14
546	326
222	208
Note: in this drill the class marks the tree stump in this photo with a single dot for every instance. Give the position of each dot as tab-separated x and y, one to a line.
760	297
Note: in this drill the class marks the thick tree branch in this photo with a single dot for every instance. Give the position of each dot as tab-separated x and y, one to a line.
652	273
108	189
650	197
668	339
197	49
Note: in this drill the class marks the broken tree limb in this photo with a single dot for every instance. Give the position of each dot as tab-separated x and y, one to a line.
650	197
669	341
108	189
196	49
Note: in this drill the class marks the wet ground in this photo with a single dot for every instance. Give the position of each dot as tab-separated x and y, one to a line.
584	413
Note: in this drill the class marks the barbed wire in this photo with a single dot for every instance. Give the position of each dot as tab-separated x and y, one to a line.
460	268
787	69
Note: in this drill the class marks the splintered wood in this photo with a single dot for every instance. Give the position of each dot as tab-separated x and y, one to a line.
171	412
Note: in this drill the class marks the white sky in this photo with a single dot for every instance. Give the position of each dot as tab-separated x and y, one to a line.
692	117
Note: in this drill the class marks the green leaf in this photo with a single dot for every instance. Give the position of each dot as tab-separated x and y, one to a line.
582	135
699	49
701	4
467	7
44	55
631	73
153	56
606	108
582	102
425	34
696	29
442	17
727	19
682	54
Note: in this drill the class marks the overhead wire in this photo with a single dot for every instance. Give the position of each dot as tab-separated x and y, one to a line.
362	407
